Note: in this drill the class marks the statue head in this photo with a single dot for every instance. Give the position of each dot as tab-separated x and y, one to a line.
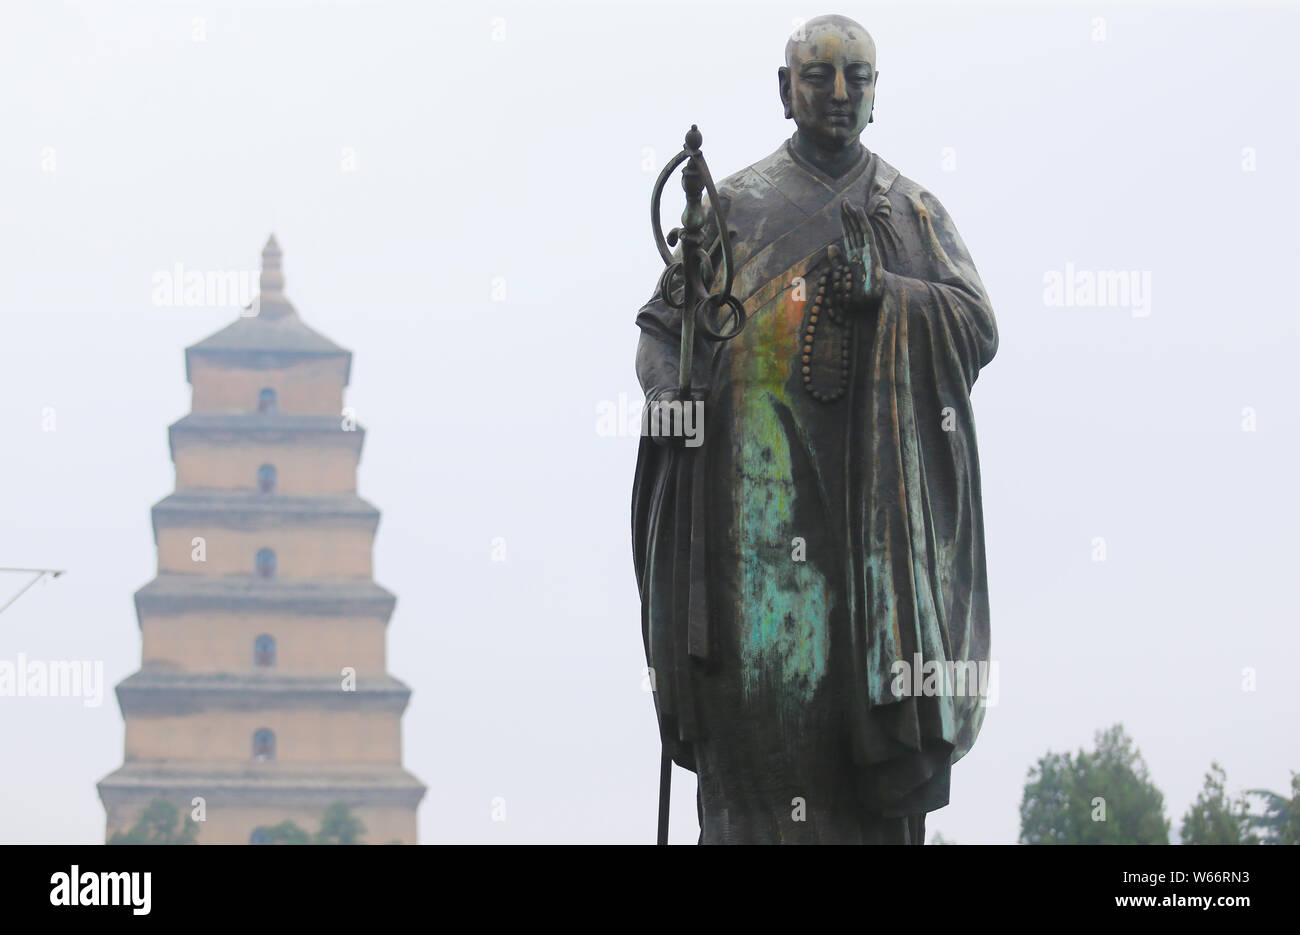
828	82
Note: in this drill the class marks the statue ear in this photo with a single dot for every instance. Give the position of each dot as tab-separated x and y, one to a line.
783	85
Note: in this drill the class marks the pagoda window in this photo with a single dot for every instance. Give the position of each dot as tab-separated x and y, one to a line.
266	400
266	477
264	652
265	563
264	744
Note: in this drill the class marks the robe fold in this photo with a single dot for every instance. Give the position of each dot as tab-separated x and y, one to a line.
829	559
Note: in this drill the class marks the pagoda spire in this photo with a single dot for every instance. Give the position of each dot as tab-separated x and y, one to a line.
272	302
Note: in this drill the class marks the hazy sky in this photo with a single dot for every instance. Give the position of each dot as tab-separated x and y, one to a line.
409	155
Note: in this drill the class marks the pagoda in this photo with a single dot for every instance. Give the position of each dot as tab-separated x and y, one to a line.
263	694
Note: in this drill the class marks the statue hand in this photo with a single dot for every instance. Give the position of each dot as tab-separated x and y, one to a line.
858	259
673	419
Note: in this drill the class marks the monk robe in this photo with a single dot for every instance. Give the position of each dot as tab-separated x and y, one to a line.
828	529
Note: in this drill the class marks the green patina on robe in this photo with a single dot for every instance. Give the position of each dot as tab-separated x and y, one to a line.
783	688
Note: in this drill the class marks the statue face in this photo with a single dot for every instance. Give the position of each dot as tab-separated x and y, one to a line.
829	84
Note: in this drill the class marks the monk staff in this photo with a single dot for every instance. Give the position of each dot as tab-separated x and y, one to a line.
692	276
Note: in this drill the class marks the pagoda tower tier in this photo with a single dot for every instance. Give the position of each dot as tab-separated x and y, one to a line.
263	689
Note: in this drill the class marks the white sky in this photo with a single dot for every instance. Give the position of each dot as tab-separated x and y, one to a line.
527	159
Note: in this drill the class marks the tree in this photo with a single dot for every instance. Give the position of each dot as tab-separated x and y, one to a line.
1214	818
1099	797
339	826
159	825
287	832
1280	823
1046	815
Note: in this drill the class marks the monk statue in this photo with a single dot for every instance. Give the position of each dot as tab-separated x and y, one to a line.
833	663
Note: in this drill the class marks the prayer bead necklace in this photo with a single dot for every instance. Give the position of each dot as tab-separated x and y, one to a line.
839	282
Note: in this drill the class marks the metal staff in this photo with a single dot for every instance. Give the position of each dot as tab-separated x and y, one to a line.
693	276
694	271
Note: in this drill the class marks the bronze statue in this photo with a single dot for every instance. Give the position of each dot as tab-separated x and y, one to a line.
811	556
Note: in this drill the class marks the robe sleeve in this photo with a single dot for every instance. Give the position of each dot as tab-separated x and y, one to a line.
663	517
921	584
953	299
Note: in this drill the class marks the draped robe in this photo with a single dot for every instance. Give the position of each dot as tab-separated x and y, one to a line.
827	542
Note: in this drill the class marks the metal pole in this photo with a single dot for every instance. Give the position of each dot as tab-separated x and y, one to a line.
665	793
692	237
39	572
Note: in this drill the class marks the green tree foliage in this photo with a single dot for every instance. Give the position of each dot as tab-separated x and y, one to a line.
1100	797
287	832
1214	818
1046	815
339	826
160	824
1280	822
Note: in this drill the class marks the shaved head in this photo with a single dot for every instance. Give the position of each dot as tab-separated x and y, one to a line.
828	88
815	36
